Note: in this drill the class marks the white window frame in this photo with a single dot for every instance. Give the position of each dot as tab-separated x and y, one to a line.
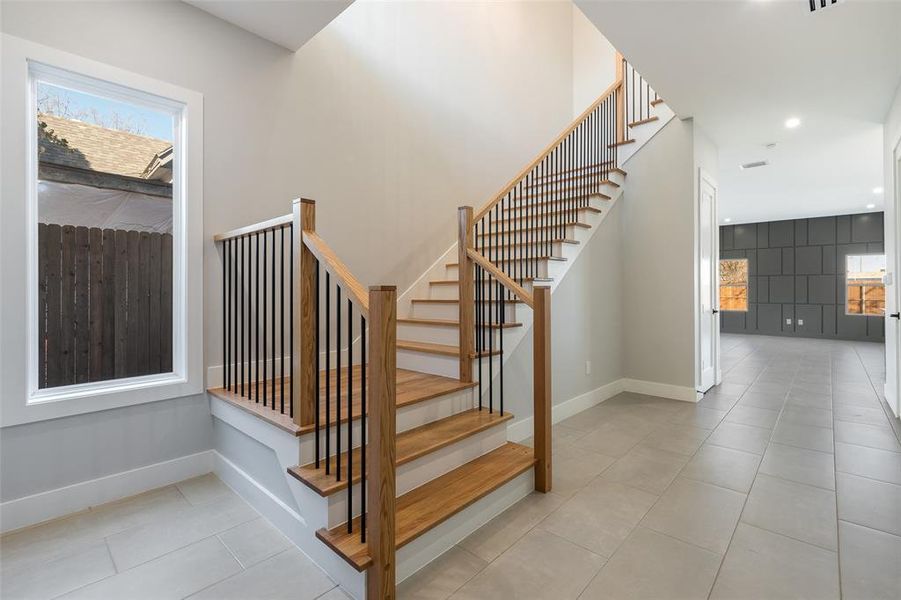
847	256
24	63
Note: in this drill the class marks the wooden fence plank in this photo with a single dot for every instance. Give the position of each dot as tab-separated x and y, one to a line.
107	368
153	313
132	309
67	306
43	259
95	240
82	312
120	302
166	305
143	304
51	248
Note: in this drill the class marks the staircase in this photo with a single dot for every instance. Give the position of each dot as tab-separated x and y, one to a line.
400	423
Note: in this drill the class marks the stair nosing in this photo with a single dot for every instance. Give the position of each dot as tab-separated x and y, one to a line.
296	471
327	536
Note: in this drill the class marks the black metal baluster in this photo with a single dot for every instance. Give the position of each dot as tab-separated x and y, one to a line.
233	351
480	245
318	348
242	309
265	306
350	421
225	314
338	382
281	329
256	320
272	323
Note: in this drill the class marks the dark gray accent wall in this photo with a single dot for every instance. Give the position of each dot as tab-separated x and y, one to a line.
797	271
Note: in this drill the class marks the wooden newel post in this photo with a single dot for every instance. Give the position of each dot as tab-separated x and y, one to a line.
380	451
620	124
541	373
466	295
304	346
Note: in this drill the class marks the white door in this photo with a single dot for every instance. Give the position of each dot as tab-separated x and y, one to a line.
708	291
893	290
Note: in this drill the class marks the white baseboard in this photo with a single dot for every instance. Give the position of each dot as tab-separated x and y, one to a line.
522	429
30	510
661	390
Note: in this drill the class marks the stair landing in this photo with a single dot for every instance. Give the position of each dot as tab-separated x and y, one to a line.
412	387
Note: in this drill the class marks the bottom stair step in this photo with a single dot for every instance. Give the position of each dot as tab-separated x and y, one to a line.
410	445
429	505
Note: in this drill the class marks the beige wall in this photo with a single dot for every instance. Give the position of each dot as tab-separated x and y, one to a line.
658	259
594	61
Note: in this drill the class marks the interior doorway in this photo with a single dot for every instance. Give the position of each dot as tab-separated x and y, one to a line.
707	359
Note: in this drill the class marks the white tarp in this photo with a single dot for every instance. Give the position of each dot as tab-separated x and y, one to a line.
82	205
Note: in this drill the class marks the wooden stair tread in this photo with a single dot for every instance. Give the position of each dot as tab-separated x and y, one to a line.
622	143
456	301
429	505
559	201
576	177
643	121
552	212
657	101
601	165
442	349
516	279
538	228
410	445
412	387
449	323
547	257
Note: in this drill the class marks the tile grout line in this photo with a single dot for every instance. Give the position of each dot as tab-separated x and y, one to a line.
756	472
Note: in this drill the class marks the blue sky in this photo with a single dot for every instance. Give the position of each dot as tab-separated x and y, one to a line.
81	106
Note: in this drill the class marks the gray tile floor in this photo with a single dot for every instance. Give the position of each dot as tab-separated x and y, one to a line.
196	539
783	482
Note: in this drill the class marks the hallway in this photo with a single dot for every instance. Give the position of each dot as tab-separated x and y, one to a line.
778	477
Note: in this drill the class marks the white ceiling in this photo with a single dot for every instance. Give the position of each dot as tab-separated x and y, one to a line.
288	23
742	67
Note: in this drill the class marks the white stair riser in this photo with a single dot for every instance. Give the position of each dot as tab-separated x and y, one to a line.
539	268
451	311
452	292
422	470
442	538
568	231
437	334
517	221
436	364
567	206
408	417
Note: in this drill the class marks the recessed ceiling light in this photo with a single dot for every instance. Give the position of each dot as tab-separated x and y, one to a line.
792	122
727	220
877	190
871	206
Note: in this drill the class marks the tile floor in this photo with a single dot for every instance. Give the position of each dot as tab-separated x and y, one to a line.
783	482
196	539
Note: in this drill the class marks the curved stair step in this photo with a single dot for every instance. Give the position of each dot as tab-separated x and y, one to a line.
441	349
410	445
429	505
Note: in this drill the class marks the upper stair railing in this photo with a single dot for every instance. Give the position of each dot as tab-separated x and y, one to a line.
303	338
505	246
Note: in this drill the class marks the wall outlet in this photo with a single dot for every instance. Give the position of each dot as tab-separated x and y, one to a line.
588	367
800	322
788	321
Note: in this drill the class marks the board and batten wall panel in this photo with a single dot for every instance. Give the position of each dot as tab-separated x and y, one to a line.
796	271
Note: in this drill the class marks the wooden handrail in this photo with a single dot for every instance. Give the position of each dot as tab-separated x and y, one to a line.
275	223
541	156
501	277
355	290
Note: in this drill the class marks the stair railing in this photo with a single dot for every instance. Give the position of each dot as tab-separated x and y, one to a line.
501	247
305	340
331	299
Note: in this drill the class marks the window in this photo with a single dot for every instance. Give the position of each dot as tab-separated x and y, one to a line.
734	284
865	285
105	215
104	154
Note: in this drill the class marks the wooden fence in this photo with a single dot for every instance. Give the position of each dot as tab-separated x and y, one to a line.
105	304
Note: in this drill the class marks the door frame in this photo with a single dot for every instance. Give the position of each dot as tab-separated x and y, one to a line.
705	177
892	389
